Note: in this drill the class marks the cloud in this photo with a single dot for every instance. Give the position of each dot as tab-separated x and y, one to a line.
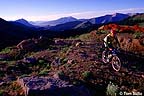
88	14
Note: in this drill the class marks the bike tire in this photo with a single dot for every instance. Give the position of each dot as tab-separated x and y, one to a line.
116	63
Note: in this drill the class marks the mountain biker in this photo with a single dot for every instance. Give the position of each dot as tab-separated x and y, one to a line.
111	42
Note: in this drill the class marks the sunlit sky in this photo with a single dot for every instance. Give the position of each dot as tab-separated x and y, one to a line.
36	10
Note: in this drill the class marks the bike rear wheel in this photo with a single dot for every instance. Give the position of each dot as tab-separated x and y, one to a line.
116	63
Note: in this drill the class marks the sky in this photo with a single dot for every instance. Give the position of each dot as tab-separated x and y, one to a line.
42	10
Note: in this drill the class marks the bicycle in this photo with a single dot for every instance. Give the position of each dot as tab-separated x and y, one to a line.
112	57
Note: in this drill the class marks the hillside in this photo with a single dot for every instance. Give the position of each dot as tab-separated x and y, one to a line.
68	62
11	33
136	19
74	60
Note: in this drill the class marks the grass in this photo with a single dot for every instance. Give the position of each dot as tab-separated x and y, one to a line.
6	50
84	37
141	24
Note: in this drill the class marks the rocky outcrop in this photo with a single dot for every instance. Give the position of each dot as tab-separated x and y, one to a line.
130	44
66	41
28	44
50	86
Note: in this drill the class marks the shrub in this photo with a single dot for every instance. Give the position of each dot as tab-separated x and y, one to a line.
60	73
87	75
41	61
112	89
102	32
44	72
65	49
1	92
6	50
137	35
84	37
64	60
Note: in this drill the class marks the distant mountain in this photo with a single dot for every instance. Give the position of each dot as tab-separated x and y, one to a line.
83	25
24	22
109	18
98	20
14	30
55	22
135	19
65	26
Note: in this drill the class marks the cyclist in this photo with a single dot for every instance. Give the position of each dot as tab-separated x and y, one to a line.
111	42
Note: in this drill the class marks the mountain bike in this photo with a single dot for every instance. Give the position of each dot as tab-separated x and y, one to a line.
111	56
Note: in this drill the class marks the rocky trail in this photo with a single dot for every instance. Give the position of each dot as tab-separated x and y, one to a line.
87	59
79	63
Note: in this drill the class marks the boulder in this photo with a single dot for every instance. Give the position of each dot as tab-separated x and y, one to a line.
49	86
28	44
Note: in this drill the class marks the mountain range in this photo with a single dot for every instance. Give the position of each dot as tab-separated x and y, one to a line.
67	23
96	20
23	29
54	22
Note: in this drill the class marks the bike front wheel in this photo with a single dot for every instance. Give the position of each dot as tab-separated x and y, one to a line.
116	63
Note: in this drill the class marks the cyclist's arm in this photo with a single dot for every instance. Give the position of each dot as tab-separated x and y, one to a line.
106	42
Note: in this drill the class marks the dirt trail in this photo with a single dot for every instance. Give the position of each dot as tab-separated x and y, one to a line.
87	57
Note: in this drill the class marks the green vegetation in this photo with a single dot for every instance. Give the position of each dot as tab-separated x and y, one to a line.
6	50
44	72
41	61
2	73
64	60
87	75
137	35
112	89
141	24
84	37
1	92
136	19
60	73
65	49
102	32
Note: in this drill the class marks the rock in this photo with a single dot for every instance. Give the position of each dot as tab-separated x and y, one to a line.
142	76
59	42
78	44
30	60
28	44
4	57
37	86
56	62
70	61
1	82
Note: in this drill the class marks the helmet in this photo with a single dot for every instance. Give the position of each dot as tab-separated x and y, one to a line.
113	31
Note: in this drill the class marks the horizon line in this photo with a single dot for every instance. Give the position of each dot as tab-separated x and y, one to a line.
78	15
